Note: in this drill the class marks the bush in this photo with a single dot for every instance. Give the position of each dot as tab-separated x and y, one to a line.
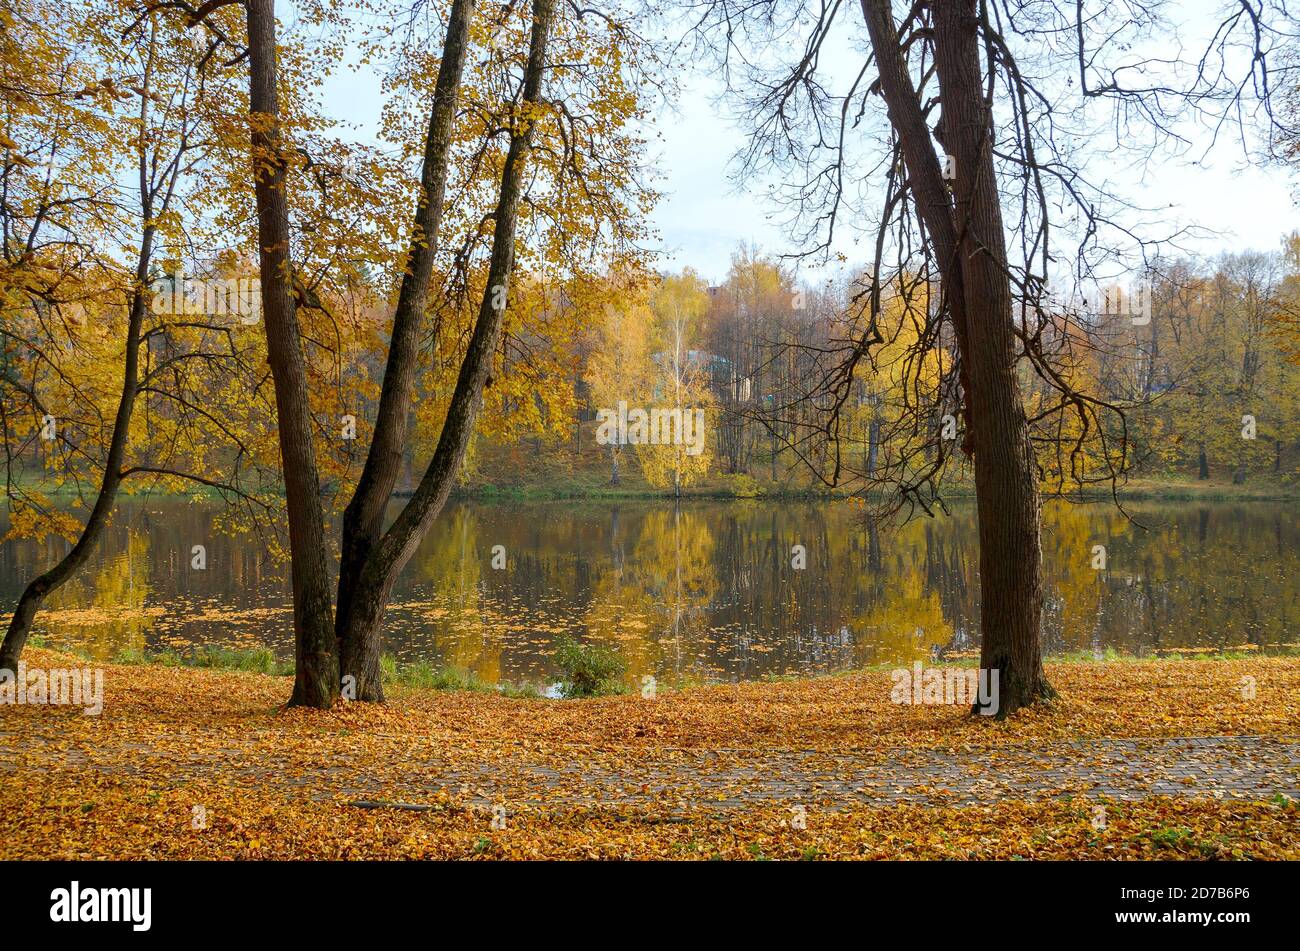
744	486
588	670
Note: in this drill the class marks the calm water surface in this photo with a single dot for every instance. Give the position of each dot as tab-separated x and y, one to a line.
704	592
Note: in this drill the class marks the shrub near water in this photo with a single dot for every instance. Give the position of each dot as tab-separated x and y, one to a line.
587	670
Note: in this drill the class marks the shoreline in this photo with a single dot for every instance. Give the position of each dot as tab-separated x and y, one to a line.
719	491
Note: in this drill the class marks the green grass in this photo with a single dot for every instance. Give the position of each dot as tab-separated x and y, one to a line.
572	486
1173	837
559	474
423	675
261	660
1112	656
257	660
134	488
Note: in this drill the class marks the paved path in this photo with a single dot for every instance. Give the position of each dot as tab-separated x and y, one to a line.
1207	767
1238	767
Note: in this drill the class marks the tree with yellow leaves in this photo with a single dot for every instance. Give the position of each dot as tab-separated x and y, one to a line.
678	384
620	369
109	118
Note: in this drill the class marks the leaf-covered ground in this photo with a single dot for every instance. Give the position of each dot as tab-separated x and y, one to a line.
206	764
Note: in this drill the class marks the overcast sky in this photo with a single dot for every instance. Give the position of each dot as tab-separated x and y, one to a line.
703	215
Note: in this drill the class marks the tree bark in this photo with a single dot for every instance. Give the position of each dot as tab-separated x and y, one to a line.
316	670
395	547
363	520
40	587
970	243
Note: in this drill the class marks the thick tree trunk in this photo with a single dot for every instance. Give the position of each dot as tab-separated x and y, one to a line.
363	520
374	585
316	671
1006	484
39	588
970	244
1202	463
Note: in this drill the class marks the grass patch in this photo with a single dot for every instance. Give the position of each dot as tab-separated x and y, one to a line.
423	675
1172	837
1112	656
256	660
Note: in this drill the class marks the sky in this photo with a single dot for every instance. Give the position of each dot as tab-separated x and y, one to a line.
704	214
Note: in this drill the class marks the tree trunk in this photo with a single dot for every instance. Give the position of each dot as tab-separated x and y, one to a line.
1149	378
1006	485
1202	463
970	244
395	547
316	672
39	588
363	520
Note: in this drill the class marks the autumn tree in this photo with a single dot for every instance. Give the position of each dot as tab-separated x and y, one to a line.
1208	379
620	368
678	383
749	312
974	164
516	194
108	118
360	629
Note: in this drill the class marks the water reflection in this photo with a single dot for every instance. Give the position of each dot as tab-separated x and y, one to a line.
700	592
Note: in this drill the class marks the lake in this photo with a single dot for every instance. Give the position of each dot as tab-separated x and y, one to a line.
703	592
